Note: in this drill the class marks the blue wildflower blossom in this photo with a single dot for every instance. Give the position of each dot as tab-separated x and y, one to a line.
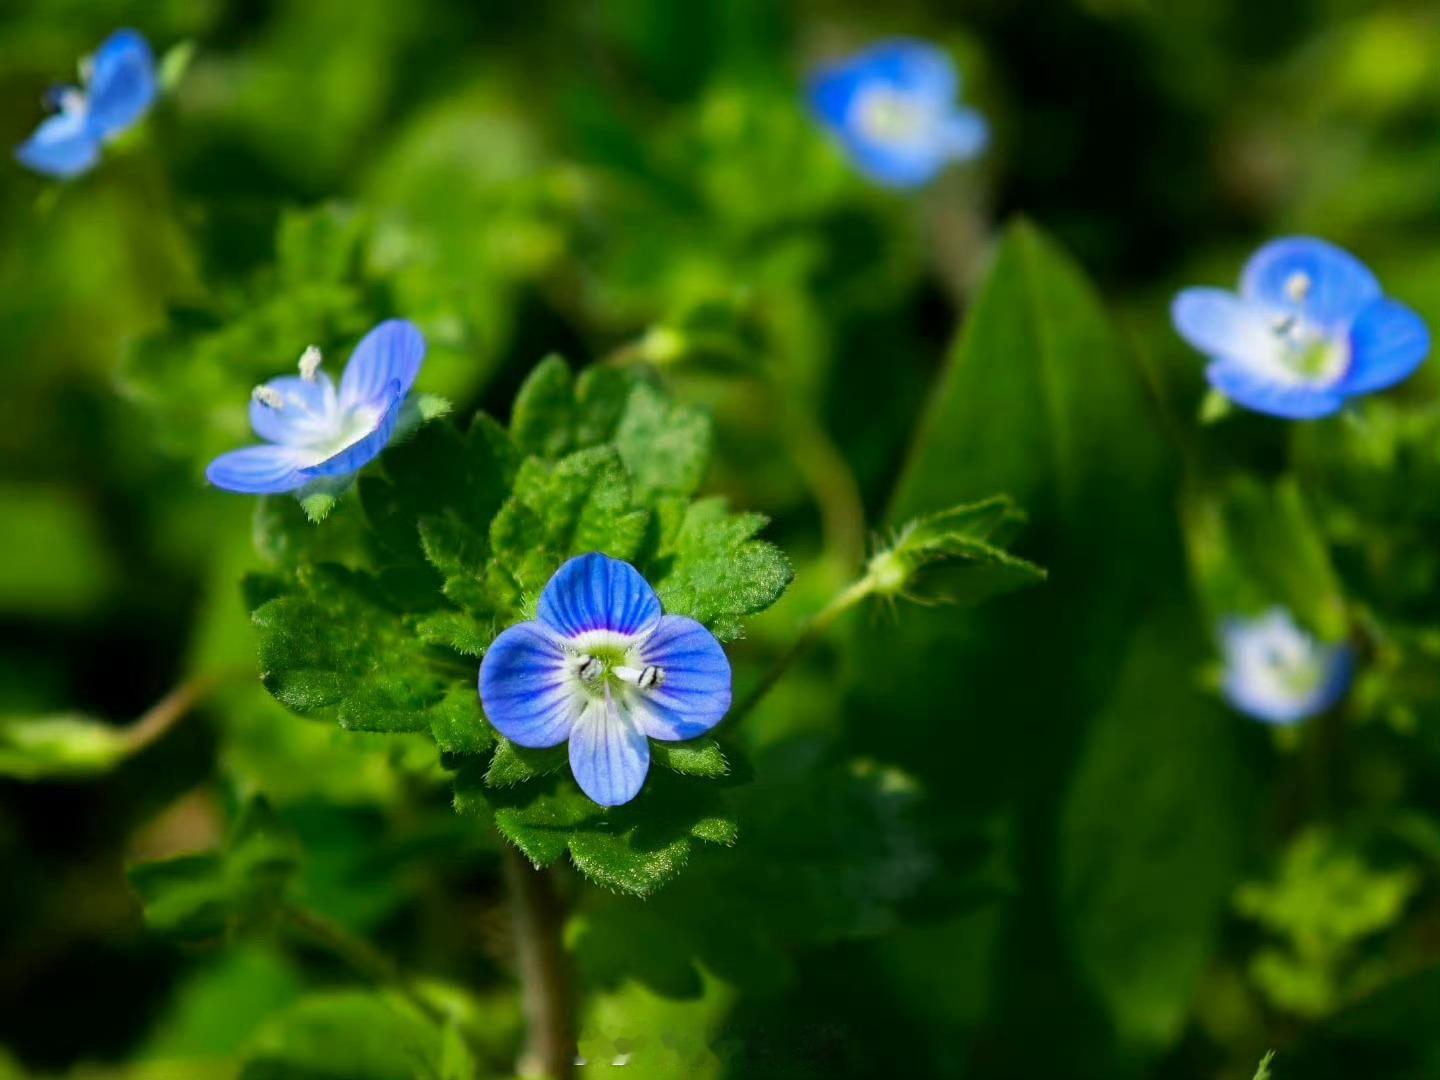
317	434
119	86
1278	673
1308	330
603	667
893	107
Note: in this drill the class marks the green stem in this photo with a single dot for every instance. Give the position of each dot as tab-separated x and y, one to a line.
842	602
363	957
174	707
545	980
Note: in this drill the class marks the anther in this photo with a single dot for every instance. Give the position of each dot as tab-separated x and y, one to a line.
268	396
1283	324
589	669
651	676
310	361
1297	286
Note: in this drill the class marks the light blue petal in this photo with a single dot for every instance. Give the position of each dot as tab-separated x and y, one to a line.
902	166
609	755
695	693
965	134
1221	325
363	451
293	422
1387	343
390	353
1339	284
1290	401
595	592
916	67
524	689
122	84
257	470
62	146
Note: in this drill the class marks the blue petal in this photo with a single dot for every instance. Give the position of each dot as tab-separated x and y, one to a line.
365	450
1221	325
595	592
293	422
1292	401
525	690
1387	343
609	755
965	134
894	165
1339	284
903	65
695	693
63	146
390	353
257	470
122	84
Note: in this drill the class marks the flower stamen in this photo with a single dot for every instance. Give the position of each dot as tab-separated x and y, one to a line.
268	396
590	668
310	361
1297	286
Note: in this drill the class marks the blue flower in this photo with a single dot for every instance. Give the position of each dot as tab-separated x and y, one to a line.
316	434
119	87
603	667
893	107
1278	673
1308	330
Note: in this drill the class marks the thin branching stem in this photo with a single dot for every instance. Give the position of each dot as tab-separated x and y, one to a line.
546	983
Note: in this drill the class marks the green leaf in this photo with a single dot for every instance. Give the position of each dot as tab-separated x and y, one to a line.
697	757
63	746
716	572
635	848
1262	1071
543	419
513	764
358	1035
173	65
457	724
334	646
317	505
665	446
1253	546
1152	834
948	557
202	897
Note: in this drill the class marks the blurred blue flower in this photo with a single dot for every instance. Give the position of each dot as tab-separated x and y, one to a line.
603	667
119	86
1308	330
315	434
894	108
1279	673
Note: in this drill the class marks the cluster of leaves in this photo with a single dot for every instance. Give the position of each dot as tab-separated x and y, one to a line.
462	531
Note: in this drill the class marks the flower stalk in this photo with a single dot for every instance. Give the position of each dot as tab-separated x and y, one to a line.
547	988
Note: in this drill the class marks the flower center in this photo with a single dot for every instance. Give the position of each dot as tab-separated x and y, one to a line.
883	115
318	422
1307	354
1295	670
615	669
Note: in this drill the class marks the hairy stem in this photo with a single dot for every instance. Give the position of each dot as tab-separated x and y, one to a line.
842	602
545	982
363	957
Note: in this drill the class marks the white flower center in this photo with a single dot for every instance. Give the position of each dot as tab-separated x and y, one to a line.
883	115
611	668
1306	353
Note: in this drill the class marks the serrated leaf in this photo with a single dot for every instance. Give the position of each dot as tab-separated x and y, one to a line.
360	1035
457	724
543	419
317	506
513	764
697	757
333	646
947	556
455	630
665	446
716	572
201	897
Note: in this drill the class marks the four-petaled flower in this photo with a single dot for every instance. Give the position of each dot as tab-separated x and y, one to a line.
119	86
894	109
1277	672
317	434
1308	330
603	667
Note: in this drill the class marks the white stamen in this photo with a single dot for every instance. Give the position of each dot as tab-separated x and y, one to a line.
310	361
269	396
1297	286
647	678
1283	324
589	669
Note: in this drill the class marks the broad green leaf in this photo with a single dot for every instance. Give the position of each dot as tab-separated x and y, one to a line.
202	897
665	446
542	422
1152	835
697	757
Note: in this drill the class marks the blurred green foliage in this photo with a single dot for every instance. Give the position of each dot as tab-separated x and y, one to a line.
1016	840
